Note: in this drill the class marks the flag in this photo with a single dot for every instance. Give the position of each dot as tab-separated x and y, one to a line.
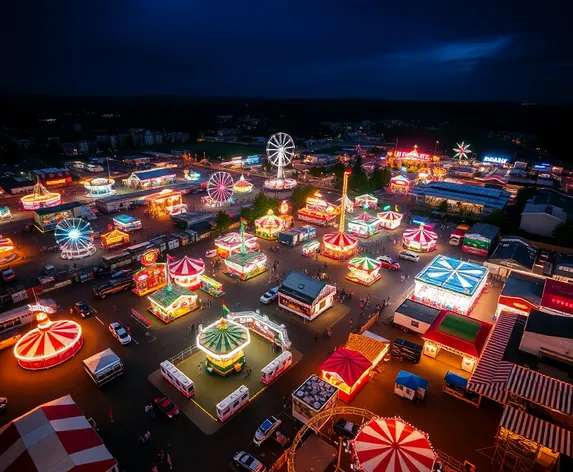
170	258
243	221
225	309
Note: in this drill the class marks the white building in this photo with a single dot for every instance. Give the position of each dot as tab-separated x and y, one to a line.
546	210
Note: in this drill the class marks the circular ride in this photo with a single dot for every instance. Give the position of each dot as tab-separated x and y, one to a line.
75	238
223	343
40	198
420	239
280	152
243	185
219	189
186	272
99	187
48	345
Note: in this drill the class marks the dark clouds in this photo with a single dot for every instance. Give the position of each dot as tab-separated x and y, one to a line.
489	50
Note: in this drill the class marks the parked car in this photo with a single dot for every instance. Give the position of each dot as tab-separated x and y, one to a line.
247	462
388	262
83	309
266	430
113	286
166	406
3	403
270	296
409	256
8	275
346	429
122	273
119	332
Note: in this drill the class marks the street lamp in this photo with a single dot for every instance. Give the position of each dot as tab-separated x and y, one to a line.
436	148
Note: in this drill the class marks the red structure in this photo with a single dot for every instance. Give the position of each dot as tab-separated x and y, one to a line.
348	371
339	246
558	296
187	272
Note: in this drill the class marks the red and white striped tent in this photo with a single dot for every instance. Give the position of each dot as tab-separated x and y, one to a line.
54	436
340	240
390	219
187	266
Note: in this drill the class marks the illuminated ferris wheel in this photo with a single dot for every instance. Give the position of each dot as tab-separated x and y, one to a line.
75	238
220	187
280	153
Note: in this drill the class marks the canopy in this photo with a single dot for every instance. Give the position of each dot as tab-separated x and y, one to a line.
453	274
53	436
6	245
340	240
365	218
233	239
391	445
400	180
389	216
115	233
269	221
223	337
420	235
242	183
365	263
366	198
187	266
348	365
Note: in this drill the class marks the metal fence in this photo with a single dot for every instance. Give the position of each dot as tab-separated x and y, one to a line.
184	354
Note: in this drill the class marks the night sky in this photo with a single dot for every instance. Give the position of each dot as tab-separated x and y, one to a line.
413	50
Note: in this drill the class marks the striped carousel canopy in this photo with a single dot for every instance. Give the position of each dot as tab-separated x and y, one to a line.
6	245
243	183
223	337
389	216
420	235
269	221
365	218
187	266
340	240
365	263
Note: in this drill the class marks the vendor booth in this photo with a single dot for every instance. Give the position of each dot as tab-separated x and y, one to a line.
368	202
318	211
339	246
211	286
363	226
114	238
450	284
127	223
269	226
187	272
231	243
410	386
420	239
458	334
150	178
148	279
166	202
305	296
347	370
364	270
389	219
246	265
400	185
171	302
481	239
46	219
5	213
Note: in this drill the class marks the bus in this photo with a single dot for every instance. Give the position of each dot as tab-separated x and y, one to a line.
24	315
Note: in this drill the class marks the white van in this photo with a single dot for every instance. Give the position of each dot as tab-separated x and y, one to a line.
103	367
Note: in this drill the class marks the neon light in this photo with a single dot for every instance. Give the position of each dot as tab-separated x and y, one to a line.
495	160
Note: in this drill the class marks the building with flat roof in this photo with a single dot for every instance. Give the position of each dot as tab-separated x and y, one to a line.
16	185
151	178
546	210
461	198
51	176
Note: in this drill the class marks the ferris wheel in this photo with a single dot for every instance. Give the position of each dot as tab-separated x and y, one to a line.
280	151
74	236
220	187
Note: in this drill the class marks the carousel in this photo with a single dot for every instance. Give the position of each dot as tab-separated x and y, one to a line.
400	185
114	238
40	198
223	343
420	239
242	186
318	211
364	225
7	253
389	219
99	187
391	444
187	272
367	201
364	270
269	226
50	344
231	243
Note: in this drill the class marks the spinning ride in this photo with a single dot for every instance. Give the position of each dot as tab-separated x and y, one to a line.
364	270
462	150
48	345
219	189
280	152
269	226
223	343
245	264
6	250
40	198
99	187
242	186
75	238
420	239
186	272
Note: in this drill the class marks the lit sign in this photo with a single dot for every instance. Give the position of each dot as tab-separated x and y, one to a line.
495	160
149	258
387	208
284	207
410	155
56	182
41	308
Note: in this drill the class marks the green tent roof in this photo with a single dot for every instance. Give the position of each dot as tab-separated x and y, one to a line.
223	337
460	327
169	295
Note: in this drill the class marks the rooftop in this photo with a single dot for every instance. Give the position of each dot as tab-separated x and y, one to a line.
552	198
517	253
315	392
419	312
57	208
153	174
453	274
524	286
549	325
488	197
484	229
302	287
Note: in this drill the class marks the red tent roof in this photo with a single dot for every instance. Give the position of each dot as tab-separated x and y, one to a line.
349	365
339	239
187	266
365	217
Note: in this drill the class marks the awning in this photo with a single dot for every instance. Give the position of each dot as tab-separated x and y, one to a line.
538	431
456	380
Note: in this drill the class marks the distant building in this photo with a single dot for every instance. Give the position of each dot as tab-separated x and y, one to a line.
16	185
51	176
546	210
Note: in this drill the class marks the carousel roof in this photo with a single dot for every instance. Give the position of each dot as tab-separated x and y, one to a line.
348	365
390	216
391	445
114	233
364	218
233	238
187	266
6	244
269	220
341	240
223	337
420	235
453	274
365	263
243	183
366	197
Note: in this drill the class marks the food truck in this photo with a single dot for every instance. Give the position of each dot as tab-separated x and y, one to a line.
276	367
457	236
298	235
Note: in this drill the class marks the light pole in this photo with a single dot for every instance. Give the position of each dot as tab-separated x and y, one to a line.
436	148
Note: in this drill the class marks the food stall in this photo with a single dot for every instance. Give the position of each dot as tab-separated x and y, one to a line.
5	213
114	238
305	296
166	202
318	211
127	223
187	272
171	302
223	343
312	397
346	370
311	248
41	197
420	239
367	201
364	270
242	186
269	226
414	316
246	265
152	178
364	225
450	284
410	386
231	243
211	286
400	185
99	187
389	219
339	246
46	219
149	278
481	239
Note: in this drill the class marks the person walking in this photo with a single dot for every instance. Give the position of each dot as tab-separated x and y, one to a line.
169	462
200	368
